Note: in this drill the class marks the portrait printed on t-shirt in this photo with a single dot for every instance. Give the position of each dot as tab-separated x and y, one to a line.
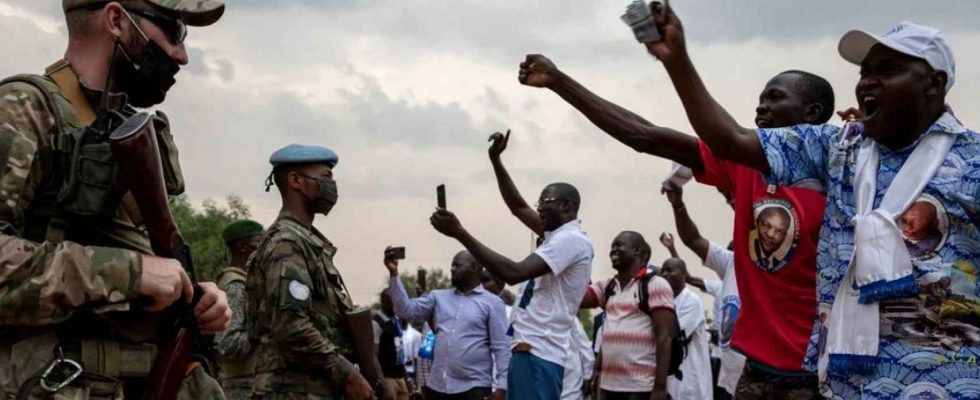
924	227
946	312
774	235
729	314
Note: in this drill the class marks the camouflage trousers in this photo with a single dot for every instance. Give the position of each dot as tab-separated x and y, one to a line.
21	363
758	384
237	388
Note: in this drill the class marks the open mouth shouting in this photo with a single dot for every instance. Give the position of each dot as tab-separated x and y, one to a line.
868	104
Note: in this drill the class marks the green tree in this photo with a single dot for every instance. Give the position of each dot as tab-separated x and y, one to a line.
202	230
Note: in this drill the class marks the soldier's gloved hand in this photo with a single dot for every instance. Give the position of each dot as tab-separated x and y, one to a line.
163	282
212	313
357	388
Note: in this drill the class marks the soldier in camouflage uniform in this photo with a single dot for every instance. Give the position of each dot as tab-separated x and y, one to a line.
72	262
296	297
241	237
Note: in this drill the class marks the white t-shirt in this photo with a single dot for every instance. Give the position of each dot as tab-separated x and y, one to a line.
549	315
412	340
727	307
696	367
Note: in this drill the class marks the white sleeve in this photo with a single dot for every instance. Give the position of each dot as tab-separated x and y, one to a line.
377	332
713	287
562	251
690	313
719	259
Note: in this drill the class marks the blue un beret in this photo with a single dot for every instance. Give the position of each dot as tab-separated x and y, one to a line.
302	154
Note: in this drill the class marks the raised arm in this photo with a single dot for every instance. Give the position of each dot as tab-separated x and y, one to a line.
667	240
512	197
696	282
512	272
420	308
716	127
623	125
685	226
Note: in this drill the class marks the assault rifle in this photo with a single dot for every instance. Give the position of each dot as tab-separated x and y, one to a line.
134	147
362	334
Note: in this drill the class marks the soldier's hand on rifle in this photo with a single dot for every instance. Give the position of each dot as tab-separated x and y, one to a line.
390	262
357	388
163	282
212	312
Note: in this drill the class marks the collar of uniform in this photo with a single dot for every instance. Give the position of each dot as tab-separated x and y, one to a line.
575	224
288	217
235	269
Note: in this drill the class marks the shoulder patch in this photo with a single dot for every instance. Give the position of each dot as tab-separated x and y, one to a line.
299	291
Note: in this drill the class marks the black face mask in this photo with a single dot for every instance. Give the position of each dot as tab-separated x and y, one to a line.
327	198
146	81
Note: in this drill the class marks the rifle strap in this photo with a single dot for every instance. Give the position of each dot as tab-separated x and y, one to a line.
61	73
63	76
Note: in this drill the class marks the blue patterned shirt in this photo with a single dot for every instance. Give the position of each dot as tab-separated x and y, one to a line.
930	343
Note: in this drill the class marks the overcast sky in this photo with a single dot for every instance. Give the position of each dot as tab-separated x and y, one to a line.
407	92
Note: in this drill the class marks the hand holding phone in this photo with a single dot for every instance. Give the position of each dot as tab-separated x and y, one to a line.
441	196
395	253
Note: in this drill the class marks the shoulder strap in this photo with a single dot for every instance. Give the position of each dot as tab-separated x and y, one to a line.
609	290
643	295
230	275
67	81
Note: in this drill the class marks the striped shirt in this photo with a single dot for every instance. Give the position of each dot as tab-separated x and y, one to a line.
629	352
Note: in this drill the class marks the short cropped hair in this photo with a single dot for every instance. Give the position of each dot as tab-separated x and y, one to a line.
815	89
567	192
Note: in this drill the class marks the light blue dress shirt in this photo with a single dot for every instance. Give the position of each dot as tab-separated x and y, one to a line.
470	335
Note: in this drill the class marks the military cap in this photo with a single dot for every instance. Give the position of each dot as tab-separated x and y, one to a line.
241	229
303	154
192	12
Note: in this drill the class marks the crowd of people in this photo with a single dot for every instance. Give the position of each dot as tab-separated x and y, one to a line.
850	273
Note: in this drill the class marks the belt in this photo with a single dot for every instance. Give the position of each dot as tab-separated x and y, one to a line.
521	348
112	358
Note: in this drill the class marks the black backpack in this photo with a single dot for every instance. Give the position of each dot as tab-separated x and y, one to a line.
678	345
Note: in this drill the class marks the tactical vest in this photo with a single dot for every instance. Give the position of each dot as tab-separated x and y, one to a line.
329	300
242	367
79	200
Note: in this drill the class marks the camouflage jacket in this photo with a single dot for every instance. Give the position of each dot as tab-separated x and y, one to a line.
296	305
237	360
41	282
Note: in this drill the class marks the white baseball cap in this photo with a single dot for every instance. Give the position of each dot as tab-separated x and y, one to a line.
909	38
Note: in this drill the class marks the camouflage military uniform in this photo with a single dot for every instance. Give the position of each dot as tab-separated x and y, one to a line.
296	303
237	360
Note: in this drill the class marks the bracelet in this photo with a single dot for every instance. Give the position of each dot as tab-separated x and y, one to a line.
681	208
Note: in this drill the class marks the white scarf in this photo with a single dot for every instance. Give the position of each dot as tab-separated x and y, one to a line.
881	267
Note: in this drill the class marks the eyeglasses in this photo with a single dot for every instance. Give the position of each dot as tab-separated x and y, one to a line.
174	28
545	201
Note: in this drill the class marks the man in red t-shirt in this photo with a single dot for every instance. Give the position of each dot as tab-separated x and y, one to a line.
776	227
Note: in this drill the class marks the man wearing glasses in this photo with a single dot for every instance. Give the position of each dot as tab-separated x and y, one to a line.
81	295
556	274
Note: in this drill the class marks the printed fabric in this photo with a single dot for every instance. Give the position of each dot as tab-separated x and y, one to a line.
929	343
